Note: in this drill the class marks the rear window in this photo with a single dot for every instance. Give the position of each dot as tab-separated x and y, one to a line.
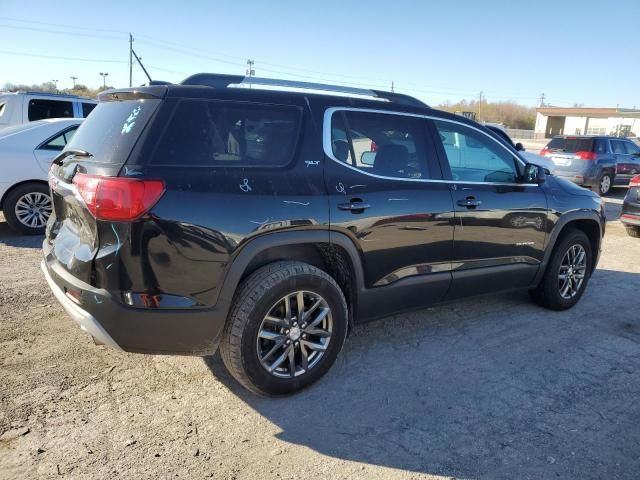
211	133
112	129
571	144
40	109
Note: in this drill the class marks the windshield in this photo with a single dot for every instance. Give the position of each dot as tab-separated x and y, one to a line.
112	129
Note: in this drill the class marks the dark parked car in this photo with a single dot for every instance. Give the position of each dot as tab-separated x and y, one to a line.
598	162
630	215
195	215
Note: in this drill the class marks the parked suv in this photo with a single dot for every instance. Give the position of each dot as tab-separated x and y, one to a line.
598	162
22	107
195	215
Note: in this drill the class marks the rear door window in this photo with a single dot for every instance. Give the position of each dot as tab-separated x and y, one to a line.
617	146
571	144
382	144
213	133
44	108
113	128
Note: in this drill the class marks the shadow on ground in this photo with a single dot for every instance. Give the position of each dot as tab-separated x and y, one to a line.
489	388
13	239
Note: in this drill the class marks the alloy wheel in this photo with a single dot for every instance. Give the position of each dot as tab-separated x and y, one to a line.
572	271
605	184
33	209
294	335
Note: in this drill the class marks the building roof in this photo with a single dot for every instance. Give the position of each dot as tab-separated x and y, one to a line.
589	111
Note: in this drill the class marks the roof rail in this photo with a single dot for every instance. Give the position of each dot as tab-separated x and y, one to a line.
216	80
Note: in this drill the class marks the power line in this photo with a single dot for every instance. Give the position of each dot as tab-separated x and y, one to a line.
58	32
75	27
56	57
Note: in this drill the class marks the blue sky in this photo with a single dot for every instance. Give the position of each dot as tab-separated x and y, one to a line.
573	51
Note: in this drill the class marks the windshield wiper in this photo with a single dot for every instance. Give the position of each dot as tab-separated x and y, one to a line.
76	152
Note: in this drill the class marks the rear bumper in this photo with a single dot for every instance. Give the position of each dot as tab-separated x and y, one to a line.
134	329
622	179
578	179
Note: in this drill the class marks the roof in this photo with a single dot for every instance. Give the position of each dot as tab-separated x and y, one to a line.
589	111
48	94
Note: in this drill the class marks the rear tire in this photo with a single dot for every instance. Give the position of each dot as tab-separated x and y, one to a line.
553	292
259	332
604	184
27	208
633	231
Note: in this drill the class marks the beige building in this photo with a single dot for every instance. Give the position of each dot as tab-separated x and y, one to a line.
623	122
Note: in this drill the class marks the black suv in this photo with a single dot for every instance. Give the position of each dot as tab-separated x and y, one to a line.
268	221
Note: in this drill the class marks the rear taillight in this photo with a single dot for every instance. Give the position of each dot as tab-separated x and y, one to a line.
544	151
118	198
586	155
374	147
635	181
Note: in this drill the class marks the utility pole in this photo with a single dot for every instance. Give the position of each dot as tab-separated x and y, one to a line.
392	89
130	60
542	99
74	80
480	106
250	71
55	84
104	79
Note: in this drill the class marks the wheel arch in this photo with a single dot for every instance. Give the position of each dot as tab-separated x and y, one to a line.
332	252
17	185
587	222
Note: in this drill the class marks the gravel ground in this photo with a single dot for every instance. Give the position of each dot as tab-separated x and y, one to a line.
488	388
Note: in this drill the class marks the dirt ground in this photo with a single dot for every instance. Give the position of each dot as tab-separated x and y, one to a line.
488	388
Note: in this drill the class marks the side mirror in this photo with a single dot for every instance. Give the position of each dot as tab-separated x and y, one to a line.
534	174
520	147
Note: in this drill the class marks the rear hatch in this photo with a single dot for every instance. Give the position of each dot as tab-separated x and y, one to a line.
99	149
570	153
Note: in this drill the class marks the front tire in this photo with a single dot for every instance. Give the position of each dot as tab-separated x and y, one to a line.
286	327
567	273
27	208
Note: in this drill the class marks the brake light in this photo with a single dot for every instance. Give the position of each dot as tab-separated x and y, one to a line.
118	198
635	181
544	151
586	155
374	147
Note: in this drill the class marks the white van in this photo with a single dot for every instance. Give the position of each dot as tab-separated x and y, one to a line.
22	107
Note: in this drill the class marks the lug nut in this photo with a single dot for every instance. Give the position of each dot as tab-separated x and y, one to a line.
304	325
286	332
304	336
288	342
295	324
297	343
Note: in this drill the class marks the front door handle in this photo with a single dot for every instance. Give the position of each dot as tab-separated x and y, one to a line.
355	205
470	202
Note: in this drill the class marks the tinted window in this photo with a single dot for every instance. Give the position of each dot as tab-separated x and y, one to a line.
617	146
571	144
601	146
474	156
58	142
40	109
382	144
631	148
87	108
224	134
112	129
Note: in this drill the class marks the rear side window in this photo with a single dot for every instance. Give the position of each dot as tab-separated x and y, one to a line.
382	144
87	108
59	141
617	146
40	109
601	146
113	128
211	133
571	144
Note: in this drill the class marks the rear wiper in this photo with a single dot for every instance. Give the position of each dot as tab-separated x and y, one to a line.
76	152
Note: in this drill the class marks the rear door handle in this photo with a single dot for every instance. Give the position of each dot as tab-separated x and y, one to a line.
469	202
356	205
